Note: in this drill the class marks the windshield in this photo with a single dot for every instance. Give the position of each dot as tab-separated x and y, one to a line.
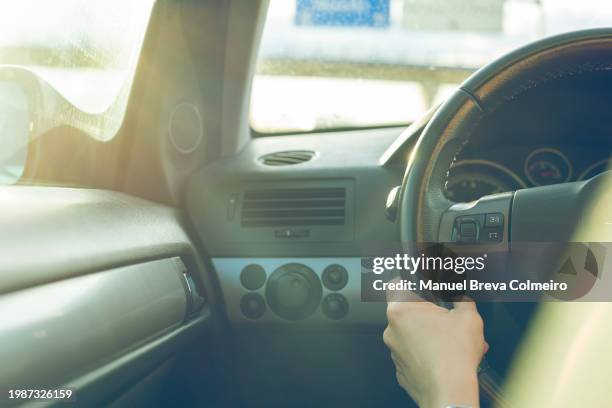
359	63
86	50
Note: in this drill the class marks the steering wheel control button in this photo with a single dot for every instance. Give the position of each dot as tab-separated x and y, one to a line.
335	277
494	220
479	228
252	305
468	229
253	277
492	234
335	306
293	291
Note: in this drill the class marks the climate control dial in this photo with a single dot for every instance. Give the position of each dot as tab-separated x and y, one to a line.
293	291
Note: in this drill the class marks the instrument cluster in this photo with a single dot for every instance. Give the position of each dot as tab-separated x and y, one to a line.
501	170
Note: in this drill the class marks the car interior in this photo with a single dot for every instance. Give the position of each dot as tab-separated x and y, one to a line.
222	262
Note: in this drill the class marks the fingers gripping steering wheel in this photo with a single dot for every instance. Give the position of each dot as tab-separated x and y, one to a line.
427	216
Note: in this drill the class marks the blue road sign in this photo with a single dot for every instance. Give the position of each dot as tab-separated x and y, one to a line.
343	13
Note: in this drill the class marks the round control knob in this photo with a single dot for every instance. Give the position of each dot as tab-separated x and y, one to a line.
253	277
335	277
293	291
335	306
252	305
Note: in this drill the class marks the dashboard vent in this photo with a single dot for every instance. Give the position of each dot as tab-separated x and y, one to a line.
288	207
287	158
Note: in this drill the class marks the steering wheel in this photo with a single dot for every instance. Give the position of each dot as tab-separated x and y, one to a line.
540	214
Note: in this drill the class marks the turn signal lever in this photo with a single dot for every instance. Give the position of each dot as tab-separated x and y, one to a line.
392	204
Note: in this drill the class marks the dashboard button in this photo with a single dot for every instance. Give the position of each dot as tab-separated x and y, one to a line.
335	277
335	306
292	233
252	305
494	220
253	277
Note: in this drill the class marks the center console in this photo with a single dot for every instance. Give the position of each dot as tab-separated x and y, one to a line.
319	291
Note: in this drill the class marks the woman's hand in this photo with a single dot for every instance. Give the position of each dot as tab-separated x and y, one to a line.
436	351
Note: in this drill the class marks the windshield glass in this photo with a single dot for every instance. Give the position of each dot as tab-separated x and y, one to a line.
357	63
86	50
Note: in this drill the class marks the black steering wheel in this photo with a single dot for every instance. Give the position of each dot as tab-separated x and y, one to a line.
540	214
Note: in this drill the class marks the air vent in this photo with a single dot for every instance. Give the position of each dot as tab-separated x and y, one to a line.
293	207
287	158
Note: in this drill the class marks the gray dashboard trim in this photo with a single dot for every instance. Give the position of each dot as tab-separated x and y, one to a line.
56	332
53	233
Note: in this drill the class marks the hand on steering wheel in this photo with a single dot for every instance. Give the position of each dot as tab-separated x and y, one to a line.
436	351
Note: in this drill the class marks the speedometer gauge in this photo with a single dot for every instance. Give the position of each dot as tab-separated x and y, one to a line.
468	187
468	180
547	166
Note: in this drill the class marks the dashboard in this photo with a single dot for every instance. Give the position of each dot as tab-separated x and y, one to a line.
265	225
476	174
287	209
